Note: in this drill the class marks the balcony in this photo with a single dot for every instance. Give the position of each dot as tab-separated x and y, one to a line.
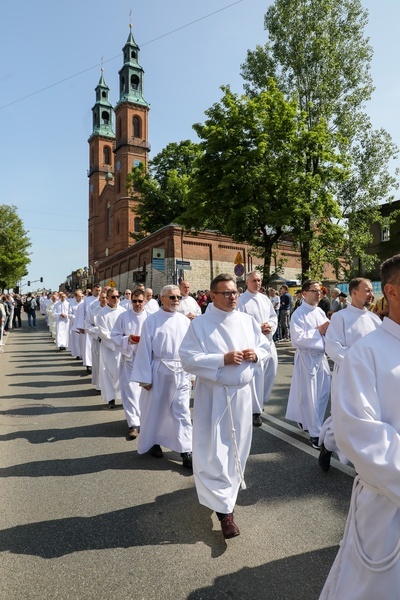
132	141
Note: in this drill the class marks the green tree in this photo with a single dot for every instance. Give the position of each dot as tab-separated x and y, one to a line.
161	192
317	50
14	245
250	181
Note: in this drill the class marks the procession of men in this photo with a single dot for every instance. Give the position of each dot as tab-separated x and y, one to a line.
196	382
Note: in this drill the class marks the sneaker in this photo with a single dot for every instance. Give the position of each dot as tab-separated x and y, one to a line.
300	426
314	441
257	420
187	460
156	451
324	459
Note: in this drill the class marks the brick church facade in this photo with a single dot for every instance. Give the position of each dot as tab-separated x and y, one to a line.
169	254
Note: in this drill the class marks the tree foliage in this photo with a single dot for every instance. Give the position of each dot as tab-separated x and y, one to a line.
161	193
317	50
14	245
251	180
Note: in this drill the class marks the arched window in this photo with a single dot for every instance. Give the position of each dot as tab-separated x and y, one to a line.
136	225
107	155
137	127
135	82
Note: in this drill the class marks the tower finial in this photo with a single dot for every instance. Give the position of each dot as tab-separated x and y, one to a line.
130	19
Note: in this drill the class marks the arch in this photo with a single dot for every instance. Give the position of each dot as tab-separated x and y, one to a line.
105	117
135	81
137	126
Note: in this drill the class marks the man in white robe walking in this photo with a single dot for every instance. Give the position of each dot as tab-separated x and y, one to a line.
310	386
79	326
151	305
61	316
346	328
110	357
165	398
259	306
366	419
93	331
223	349
188	305
126	336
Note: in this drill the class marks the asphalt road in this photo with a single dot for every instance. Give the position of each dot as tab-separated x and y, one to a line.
84	517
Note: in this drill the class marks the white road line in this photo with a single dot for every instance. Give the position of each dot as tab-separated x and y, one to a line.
300	445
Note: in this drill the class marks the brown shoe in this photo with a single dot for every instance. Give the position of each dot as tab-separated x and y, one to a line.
133	433
229	527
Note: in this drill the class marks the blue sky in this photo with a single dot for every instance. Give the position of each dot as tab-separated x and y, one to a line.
51	57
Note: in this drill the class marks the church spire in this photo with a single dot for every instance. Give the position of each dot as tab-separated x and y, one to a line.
131	74
102	110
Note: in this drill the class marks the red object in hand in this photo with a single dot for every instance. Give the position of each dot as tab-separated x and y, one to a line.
135	338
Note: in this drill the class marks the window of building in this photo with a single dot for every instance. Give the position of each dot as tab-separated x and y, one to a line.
385	234
136	225
137	127
105	117
107	155
135	82
108	221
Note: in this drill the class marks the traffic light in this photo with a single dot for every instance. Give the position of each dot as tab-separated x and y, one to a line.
41	280
29	284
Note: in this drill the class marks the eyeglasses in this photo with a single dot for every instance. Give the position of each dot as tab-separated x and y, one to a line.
137	301
175	297
315	291
127	293
227	294
114	297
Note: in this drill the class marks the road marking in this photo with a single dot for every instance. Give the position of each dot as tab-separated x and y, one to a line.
347	469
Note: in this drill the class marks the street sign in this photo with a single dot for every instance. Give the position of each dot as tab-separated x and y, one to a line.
239	259
182	263
238	270
111	283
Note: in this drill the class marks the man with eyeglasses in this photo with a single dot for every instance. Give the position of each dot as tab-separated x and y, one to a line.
93	331
310	386
164	401
126	335
223	348
110	357
259	306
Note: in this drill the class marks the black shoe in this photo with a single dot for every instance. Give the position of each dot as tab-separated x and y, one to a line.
88	370
314	441
300	426
111	404
257	420
187	460
324	458
156	451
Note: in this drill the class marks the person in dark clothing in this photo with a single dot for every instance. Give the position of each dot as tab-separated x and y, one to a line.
285	310
17	312
324	303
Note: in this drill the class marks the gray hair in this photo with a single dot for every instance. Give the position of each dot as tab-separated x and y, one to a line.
168	288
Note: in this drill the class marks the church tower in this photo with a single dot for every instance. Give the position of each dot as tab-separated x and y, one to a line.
101	172
112	157
131	144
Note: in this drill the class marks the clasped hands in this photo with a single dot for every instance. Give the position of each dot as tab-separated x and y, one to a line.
236	357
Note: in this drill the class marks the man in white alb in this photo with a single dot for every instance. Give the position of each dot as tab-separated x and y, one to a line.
346	328
93	331
164	400
309	390
61	316
260	307
110	357
126	336
79	326
366	420
188	305
223	348
151	305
